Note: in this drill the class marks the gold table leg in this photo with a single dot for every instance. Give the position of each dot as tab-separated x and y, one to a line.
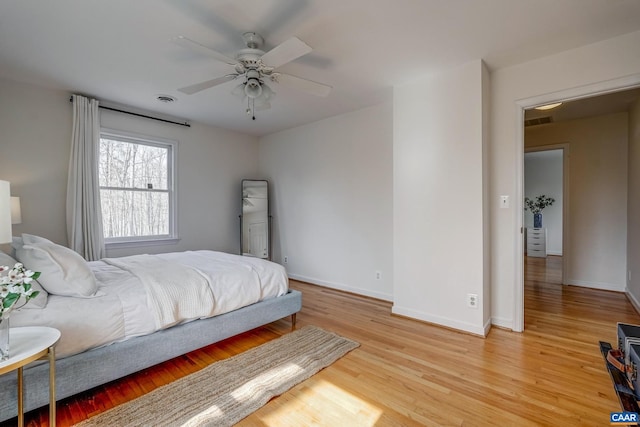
20	408
52	387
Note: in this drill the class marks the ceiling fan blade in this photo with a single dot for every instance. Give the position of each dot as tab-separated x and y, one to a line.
195	46
286	52
190	90
305	85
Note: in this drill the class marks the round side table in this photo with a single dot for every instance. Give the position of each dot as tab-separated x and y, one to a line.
28	344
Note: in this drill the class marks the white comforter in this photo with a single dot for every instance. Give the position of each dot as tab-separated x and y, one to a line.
145	293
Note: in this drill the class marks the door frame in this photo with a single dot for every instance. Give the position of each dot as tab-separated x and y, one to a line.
587	91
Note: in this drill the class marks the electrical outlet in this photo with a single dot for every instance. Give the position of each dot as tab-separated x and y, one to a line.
378	275
472	300
286	259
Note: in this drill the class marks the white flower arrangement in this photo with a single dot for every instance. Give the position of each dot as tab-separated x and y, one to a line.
15	283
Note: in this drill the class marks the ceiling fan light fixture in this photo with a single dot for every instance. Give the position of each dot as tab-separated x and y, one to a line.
253	40
253	88
239	91
267	93
548	106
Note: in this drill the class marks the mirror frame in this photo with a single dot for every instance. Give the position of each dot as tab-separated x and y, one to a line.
244	221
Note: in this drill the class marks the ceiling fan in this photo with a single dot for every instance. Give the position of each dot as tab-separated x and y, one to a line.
254	67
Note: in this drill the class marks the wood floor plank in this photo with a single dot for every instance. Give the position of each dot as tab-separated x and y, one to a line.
407	372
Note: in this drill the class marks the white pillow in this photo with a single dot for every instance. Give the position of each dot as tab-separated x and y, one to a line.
62	270
16	243
30	238
38	302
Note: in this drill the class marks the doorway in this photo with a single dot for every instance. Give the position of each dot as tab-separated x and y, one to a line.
589	97
545	176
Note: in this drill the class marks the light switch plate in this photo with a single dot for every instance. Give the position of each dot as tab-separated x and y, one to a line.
504	202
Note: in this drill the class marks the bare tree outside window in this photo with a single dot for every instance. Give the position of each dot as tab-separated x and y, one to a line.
134	188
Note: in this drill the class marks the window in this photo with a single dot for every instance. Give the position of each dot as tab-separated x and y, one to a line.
136	188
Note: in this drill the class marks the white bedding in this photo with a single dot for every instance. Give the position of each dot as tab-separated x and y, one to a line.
201	284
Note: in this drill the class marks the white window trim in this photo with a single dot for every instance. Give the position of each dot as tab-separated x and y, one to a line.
163	239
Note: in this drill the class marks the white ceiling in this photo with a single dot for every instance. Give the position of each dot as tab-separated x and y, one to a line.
120	50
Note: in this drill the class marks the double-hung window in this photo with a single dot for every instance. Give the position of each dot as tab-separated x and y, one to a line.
137	189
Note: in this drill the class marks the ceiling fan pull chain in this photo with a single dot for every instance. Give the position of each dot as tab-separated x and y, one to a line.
253	108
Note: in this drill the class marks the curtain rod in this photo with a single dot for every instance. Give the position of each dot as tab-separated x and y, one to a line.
141	115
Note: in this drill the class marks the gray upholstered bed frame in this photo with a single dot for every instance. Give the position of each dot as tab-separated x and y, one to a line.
92	368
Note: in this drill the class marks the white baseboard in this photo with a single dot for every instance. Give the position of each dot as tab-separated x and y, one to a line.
597	285
554	253
443	321
502	322
634	301
451	323
342	287
487	327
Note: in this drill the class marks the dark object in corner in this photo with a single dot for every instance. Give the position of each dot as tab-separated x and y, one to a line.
626	397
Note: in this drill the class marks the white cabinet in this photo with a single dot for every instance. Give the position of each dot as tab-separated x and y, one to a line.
537	242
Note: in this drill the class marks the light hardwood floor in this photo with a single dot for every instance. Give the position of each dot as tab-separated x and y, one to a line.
411	373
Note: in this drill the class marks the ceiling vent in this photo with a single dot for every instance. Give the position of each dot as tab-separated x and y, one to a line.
167	99
538	121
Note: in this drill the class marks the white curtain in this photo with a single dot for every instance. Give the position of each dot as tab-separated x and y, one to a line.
84	216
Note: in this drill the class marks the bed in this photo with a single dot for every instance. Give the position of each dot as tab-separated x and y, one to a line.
118	316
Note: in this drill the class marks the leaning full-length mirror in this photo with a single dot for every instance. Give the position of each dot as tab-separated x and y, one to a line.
254	221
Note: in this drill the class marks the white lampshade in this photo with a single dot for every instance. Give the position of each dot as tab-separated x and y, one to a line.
253	88
16	213
5	212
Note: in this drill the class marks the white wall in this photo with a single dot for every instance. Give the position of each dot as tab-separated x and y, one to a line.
36	134
633	206
596	67
597	212
33	157
543	176
331	188
439	228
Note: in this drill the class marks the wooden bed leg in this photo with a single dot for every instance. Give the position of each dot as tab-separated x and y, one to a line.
293	321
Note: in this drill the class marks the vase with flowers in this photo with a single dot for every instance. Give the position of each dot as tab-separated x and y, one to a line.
15	286
536	206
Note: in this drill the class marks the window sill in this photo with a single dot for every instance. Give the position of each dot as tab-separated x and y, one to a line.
141	243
